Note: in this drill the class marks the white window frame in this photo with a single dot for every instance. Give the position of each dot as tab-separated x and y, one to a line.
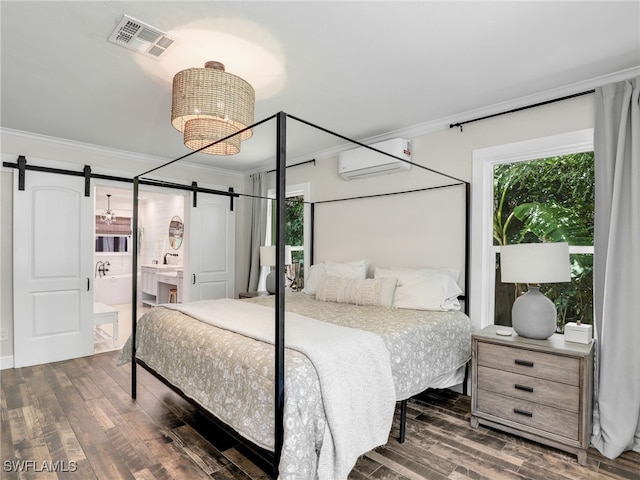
483	252
301	189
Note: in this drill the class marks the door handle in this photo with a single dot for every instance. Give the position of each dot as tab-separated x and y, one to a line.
88	284
194	279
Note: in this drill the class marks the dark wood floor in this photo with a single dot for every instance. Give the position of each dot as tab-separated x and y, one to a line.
77	415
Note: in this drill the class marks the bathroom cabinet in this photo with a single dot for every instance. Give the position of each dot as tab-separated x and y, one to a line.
165	281
153	275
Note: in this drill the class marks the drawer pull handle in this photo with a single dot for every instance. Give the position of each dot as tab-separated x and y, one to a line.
517	386
524	363
522	412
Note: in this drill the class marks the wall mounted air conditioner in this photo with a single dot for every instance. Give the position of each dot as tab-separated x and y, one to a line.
362	162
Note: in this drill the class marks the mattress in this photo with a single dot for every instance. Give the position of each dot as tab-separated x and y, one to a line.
231	375
424	345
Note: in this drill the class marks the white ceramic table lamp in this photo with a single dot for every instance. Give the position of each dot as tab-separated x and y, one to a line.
268	259
533	315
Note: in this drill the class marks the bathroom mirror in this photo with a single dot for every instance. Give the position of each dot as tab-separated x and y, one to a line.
176	230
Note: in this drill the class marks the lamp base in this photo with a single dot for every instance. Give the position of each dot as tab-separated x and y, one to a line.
533	315
271	282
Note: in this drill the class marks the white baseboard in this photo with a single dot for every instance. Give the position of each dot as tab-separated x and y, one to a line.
6	362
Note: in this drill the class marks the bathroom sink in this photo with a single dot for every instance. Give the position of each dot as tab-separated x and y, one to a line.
163	268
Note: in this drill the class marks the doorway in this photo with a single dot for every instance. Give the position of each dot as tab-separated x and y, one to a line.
56	251
113	260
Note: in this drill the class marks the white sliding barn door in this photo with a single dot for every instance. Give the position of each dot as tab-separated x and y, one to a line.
52	259
211	248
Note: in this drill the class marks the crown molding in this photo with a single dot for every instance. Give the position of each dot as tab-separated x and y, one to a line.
146	162
445	122
571	89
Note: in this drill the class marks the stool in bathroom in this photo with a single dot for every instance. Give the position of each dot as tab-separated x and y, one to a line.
105	314
173	295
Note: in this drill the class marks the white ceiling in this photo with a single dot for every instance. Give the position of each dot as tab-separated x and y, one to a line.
365	69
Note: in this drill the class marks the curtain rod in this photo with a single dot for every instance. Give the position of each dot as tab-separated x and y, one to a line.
313	160
376	195
460	124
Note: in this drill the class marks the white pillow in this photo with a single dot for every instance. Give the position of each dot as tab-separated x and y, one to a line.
357	291
423	289
356	269
318	271
314	277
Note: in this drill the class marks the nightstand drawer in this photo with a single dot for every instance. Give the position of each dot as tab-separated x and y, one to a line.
532	389
526	362
542	417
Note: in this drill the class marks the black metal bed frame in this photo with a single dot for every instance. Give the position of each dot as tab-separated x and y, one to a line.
271	458
280	171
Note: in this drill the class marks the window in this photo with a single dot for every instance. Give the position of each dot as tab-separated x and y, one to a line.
484	252
297	231
547	200
112	243
114	237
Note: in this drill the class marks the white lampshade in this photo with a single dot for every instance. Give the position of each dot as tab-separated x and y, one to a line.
533	315
535	263
268	256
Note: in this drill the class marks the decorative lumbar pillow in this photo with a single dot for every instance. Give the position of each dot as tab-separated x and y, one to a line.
358	291
423	289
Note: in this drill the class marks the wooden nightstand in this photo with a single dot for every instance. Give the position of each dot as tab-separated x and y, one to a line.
252	294
539	389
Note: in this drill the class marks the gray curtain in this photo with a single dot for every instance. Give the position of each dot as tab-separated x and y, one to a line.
617	268
258	227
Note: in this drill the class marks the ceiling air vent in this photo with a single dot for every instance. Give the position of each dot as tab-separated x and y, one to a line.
139	37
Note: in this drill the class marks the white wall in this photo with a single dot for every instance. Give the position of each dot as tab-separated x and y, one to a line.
343	234
156	214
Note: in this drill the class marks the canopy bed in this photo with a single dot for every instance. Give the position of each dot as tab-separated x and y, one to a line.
310	403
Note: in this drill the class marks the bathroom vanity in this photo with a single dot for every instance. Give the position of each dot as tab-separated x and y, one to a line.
166	282
157	280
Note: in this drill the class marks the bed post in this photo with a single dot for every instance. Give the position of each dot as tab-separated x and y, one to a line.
134	286
281	191
313	232
467	245
467	267
403	421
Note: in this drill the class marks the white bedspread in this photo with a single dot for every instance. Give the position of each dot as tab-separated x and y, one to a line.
353	368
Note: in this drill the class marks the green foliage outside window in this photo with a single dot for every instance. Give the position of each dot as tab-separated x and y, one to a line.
548	200
294	225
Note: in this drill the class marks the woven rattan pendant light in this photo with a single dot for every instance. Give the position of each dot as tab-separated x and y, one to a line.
209	104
